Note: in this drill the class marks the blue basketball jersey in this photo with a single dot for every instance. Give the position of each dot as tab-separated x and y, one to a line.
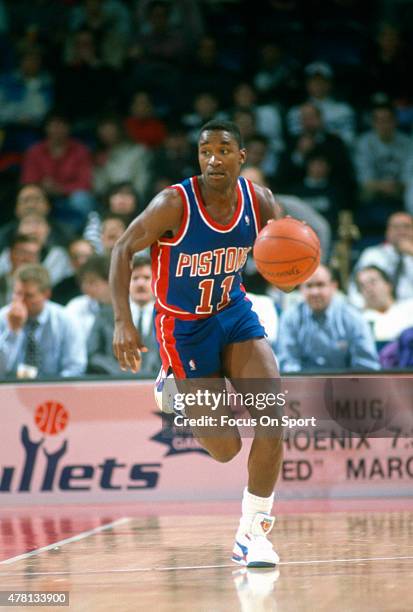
197	273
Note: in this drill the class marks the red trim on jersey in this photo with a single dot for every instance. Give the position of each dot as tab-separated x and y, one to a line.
255	204
208	217
184	223
165	327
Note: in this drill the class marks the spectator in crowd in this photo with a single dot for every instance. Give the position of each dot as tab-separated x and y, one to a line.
276	76
261	155
79	252
384	159
26	95
93	277
62	166
121	199
338	117
113	227
37	338
143	126
394	256
110	23
208	72
165	38
315	136
100	353
142	301
32	198
386	316
268	121
297	208
84	83
118	159
205	108
390	63
53	258
175	160
318	188
399	353
324	332
23	250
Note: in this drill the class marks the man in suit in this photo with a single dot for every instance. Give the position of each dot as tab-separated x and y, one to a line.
100	355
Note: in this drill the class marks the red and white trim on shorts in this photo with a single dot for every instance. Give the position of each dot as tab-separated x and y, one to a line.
165	326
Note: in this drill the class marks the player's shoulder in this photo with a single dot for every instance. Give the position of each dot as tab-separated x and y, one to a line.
169	198
264	194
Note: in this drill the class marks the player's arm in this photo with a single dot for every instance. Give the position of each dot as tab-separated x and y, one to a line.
164	213
270	210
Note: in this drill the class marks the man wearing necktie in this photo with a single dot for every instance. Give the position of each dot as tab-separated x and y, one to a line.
37	338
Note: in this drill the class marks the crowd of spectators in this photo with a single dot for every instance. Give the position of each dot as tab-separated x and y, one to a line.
101	102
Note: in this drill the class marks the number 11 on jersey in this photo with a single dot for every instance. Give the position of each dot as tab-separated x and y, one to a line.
207	287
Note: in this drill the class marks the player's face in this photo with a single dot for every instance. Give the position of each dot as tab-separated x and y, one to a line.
319	289
220	158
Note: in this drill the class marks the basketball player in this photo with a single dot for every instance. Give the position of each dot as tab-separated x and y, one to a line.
200	232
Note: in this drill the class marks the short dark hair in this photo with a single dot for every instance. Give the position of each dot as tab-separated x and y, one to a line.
385	276
384	107
219	125
22	239
139	260
96	264
119	188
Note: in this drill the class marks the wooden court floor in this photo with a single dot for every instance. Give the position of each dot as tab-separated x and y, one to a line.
177	558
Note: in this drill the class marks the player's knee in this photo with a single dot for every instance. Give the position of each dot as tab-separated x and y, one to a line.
223	450
227	451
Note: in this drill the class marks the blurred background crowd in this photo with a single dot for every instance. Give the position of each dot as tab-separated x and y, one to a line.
101	102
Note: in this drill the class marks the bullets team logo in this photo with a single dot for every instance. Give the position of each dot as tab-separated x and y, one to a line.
51	417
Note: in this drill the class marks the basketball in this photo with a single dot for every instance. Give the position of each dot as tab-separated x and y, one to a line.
286	252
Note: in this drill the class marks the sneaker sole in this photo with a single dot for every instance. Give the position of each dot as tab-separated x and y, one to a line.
262	564
254	564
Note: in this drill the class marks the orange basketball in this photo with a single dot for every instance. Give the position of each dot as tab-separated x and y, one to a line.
286	252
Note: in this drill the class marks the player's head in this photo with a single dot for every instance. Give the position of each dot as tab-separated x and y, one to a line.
319	289
221	153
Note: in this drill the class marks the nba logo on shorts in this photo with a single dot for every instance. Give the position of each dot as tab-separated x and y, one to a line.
266	525
247	219
192	364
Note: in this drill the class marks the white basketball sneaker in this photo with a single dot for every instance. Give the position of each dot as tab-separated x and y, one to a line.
252	549
165	390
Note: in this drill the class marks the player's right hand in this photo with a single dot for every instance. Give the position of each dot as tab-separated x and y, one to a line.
127	347
17	315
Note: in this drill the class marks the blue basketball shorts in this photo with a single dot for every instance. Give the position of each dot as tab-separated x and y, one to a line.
193	349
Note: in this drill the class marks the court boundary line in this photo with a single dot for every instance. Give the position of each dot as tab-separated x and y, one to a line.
75	538
203	567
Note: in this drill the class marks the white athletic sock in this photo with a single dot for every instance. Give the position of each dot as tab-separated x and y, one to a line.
251	504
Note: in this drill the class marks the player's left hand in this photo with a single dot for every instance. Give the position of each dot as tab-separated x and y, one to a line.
127	347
